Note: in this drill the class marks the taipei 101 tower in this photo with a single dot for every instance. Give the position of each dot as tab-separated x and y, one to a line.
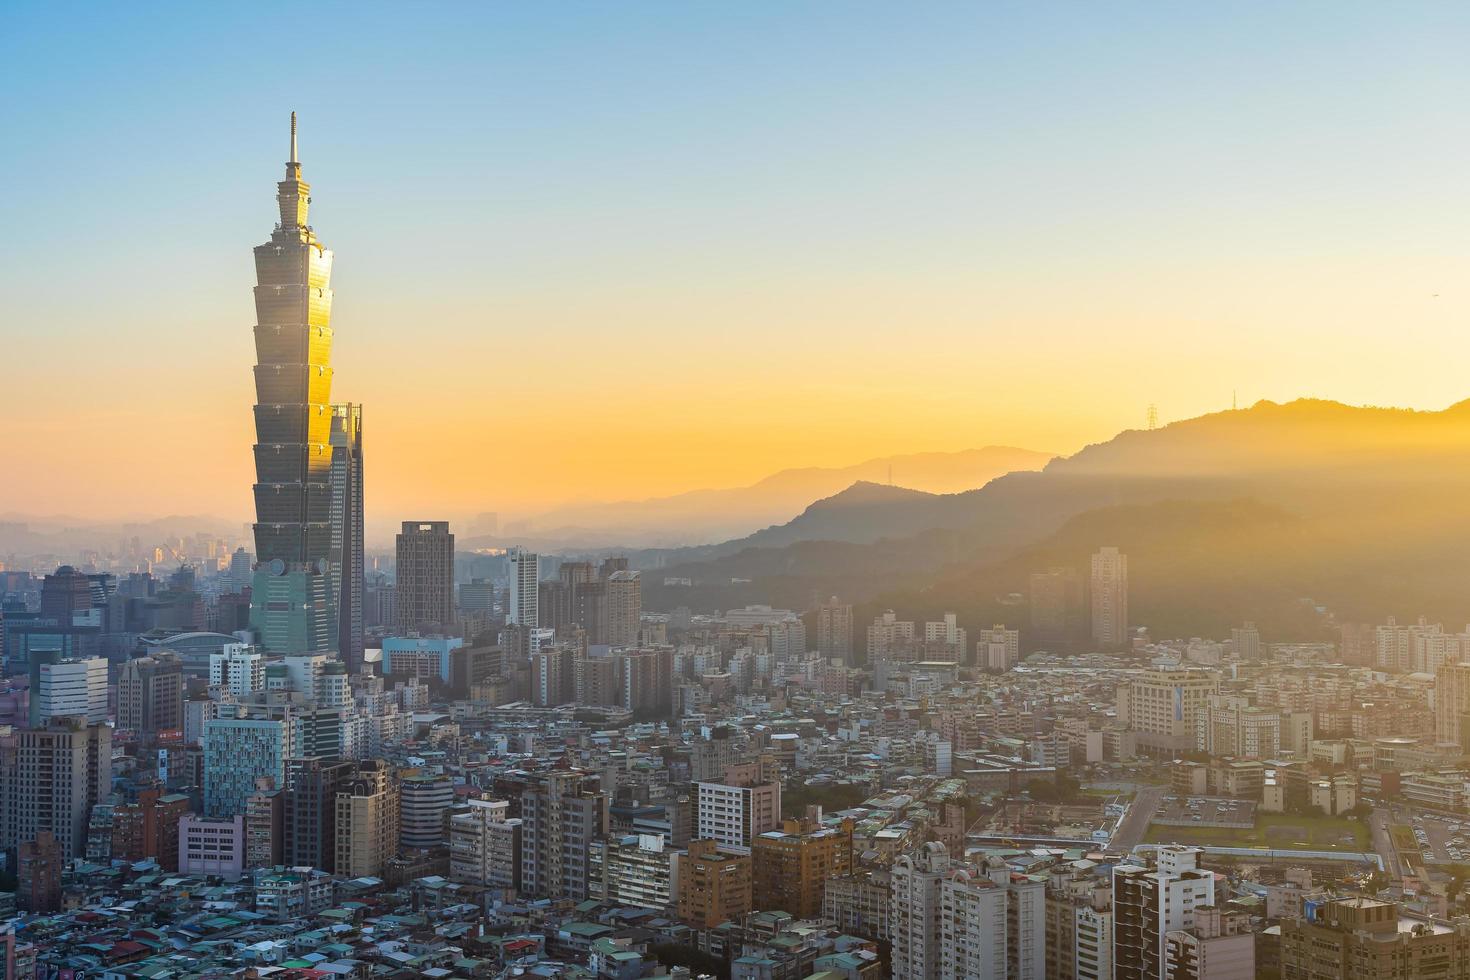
299	540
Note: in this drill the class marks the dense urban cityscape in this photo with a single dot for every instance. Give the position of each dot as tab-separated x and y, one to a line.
1187	704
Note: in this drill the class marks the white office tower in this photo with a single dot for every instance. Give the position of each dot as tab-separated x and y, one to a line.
239	669
525	578
1110	598
71	688
1151	902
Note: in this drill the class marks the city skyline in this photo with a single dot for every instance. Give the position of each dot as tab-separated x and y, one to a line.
633	229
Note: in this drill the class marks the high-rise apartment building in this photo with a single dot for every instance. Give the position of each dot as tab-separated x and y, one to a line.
292	606
1079	928
485	846
589	610
951	919
792	865
744	805
1058	609
525	575
1219	946
1246	640
645	678
239	670
834	630
1230	725
972	926
309	810
945	639
477	601
1452	704
595	681
70	688
1110	598
1149	902
150	694
265	819
562	812
1422	646
998	649
637	870
425	576
367	814
242	564
549	681
715	885
38	869
382	605
52	779
860	904
624	608
889	635
349	575
566	610
1357	644
148	828
66	596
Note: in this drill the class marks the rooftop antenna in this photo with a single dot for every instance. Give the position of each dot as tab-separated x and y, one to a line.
293	139
1153	417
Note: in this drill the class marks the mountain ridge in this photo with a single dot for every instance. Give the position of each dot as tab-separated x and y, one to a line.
701	517
1346	474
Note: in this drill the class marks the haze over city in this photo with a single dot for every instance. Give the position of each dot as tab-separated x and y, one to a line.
735	492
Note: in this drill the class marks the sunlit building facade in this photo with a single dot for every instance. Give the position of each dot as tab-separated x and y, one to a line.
292	605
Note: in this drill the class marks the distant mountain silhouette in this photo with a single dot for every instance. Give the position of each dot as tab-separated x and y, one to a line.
702	516
1326	497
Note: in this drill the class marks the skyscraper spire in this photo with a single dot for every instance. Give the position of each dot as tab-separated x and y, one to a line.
293	604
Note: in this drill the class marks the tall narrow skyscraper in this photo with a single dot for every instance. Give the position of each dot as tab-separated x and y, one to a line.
834	630
1109	598
347	553
425	576
292	604
525	574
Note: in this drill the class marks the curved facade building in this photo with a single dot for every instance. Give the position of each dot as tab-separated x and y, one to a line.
293	604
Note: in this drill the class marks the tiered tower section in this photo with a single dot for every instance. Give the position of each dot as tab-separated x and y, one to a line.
293	605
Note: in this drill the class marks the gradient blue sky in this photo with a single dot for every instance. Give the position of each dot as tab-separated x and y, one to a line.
614	250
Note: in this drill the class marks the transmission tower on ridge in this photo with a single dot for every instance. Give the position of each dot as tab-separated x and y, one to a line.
1153	417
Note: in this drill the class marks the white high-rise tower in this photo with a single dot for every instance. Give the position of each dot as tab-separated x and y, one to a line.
525	578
